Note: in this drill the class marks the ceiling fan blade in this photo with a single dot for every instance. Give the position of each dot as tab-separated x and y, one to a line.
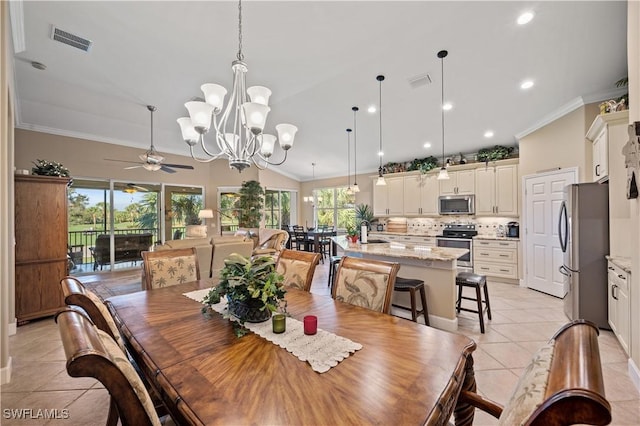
179	166
122	161
140	188
132	167
164	168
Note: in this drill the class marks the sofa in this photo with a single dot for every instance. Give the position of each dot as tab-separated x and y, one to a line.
266	241
211	251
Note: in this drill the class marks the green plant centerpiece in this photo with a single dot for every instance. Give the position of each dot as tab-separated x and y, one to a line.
364	214
352	232
253	288
250	203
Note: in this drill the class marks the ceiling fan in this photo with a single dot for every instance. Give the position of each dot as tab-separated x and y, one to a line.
132	188
151	160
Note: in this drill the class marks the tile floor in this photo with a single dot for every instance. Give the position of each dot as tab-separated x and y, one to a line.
522	321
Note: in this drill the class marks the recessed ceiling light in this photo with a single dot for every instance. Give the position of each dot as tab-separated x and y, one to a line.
525	18
427	145
528	84
380	153
447	106
372	109
488	134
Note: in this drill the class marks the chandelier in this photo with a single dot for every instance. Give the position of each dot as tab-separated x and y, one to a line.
238	127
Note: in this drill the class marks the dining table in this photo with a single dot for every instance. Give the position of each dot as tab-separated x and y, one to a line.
404	372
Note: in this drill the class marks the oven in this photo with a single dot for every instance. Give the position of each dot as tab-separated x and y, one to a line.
465	261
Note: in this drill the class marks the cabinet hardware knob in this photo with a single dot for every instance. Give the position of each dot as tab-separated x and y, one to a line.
622	277
611	268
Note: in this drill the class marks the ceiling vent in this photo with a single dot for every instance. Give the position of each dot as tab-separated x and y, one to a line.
71	39
420	80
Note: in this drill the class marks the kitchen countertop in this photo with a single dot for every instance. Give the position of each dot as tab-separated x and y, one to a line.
403	234
621	262
493	237
407	251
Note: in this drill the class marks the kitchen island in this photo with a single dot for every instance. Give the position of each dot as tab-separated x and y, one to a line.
436	266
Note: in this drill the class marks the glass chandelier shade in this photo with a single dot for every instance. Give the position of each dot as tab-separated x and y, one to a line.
380	181
239	126
443	174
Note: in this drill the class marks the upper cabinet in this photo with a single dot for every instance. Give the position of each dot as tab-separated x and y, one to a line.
388	199
497	190
462	182
599	134
421	195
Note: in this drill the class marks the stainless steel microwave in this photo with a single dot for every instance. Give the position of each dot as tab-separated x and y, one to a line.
457	204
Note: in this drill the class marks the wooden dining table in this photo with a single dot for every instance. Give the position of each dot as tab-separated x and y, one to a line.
406	373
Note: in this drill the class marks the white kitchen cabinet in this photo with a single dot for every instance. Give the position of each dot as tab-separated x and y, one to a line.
421	195
388	200
599	134
497	190
495	258
619	304
462	182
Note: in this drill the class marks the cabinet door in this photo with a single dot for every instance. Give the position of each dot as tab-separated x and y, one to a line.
429	192
600	152
448	186
380	200
466	182
506	190
485	191
412	194
395	196
624	317
611	301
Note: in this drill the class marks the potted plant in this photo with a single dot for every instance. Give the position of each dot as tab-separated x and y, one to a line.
352	233
252	287
364	214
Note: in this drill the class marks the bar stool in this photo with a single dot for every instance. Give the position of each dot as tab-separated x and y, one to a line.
334	261
478	282
411	285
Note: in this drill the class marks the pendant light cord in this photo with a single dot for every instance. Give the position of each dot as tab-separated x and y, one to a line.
442	105
355	146
348	158
240	55
380	78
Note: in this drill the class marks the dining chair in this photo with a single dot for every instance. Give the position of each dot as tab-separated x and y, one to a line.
562	385
324	240
299	241
90	352
165	268
365	282
298	268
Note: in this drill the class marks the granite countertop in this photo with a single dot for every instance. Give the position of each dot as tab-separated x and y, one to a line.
404	234
493	237
406	251
621	262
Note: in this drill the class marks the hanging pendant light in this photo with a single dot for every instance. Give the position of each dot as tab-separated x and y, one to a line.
356	188
443	170
349	189
380	181
310	198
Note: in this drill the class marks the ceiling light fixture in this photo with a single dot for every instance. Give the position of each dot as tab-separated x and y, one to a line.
239	129
447	107
525	18
488	134
443	170
427	145
371	109
356	188
380	181
349	189
528	84
309	199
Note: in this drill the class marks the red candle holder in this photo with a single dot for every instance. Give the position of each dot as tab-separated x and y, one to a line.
310	324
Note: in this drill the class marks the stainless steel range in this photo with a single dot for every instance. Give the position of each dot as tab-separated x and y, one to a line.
456	235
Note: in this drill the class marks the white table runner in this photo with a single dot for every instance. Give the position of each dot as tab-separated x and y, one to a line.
322	350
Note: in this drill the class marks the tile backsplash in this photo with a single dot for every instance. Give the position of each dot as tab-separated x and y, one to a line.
433	226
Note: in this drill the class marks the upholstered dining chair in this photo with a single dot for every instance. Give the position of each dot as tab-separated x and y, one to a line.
298	268
164	268
90	352
365	282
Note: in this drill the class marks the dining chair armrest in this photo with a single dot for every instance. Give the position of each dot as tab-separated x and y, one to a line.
478	401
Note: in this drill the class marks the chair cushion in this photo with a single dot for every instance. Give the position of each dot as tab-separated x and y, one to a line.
107	317
530	390
407	283
166	272
295	272
470	278
362	288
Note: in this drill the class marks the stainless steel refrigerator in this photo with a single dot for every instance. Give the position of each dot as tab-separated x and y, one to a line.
583	229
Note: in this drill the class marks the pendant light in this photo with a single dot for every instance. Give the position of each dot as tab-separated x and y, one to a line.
380	181
356	188
443	170
349	190
310	199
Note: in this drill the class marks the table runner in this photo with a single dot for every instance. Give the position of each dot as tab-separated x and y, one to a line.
322	350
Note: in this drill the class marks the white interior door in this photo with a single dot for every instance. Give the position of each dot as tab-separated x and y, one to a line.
542	253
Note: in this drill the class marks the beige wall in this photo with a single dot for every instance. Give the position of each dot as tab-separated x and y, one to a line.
560	144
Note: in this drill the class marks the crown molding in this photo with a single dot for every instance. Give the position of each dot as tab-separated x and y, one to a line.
16	14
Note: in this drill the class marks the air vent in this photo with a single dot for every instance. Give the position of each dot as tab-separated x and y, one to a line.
71	39
420	80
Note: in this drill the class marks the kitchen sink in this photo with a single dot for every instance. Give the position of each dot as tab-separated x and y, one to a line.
376	241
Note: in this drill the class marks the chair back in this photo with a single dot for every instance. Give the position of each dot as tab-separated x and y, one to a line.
76	294
90	352
365	282
165	268
298	268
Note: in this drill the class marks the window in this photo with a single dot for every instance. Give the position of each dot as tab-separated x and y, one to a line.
277	208
334	207
229	214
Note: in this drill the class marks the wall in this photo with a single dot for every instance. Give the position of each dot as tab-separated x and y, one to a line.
560	144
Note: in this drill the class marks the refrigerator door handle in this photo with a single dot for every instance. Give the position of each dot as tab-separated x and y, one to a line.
563	215
564	271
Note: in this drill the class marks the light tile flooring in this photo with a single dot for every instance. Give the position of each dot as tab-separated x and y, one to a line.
522	321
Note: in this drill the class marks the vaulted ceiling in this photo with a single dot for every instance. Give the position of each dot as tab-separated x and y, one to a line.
319	58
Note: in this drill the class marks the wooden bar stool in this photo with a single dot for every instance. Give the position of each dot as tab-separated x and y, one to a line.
412	285
333	266
478	282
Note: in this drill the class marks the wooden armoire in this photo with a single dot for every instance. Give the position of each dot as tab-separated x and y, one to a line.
41	244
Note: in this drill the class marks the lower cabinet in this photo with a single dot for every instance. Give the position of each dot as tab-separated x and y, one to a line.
495	258
619	315
406	239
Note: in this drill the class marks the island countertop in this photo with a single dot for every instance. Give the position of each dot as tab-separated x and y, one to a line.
401	250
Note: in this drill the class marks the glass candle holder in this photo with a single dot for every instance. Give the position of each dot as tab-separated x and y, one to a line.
310	324
279	323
